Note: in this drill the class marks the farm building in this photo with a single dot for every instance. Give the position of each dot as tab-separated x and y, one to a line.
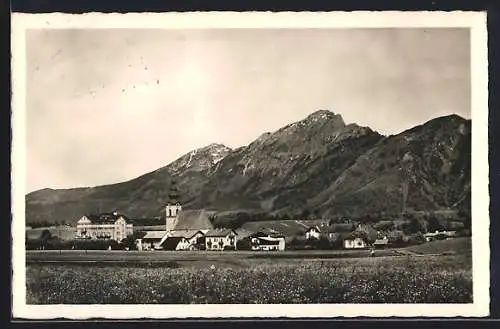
267	242
220	239
339	231
104	226
313	232
362	237
183	240
437	235
381	243
316	231
151	241
355	242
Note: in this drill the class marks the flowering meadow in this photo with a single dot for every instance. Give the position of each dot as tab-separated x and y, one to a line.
406	279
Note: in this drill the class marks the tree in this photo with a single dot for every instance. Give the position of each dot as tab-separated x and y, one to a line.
244	244
413	226
305	213
433	224
129	241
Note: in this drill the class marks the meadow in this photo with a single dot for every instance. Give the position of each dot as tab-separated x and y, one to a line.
242	278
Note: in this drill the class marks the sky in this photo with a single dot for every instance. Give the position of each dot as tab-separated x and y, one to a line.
108	105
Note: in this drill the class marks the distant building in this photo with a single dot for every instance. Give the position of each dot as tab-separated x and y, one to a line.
381	243
104	226
313	232
440	235
338	232
151	241
267	242
183	240
220	239
353	242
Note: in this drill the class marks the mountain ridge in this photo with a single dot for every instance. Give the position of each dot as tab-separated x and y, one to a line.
317	165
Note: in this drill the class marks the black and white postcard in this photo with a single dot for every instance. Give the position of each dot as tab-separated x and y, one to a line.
184	165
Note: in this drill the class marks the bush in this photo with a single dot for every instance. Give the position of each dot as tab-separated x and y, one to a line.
228	248
244	244
321	243
96	244
298	243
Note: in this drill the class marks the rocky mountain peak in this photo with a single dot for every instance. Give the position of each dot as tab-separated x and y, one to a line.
322	114
200	159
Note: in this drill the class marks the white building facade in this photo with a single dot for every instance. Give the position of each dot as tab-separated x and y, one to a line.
104	226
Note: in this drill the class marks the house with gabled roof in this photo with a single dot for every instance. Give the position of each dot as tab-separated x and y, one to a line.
220	239
151	241
362	237
267	241
356	240
381	243
313	232
183	240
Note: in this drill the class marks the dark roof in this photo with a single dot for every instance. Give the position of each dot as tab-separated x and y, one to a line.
171	243
357	234
243	233
154	235
193	220
268	242
267	233
183	233
316	228
105	218
341	235
219	233
286	227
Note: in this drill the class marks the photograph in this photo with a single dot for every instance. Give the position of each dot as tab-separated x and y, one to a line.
329	164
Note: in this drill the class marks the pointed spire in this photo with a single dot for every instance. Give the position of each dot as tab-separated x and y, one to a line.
173	194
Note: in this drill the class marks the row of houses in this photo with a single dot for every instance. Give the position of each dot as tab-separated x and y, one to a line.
365	236
184	230
214	239
192	230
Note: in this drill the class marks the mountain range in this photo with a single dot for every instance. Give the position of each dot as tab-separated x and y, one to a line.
319	165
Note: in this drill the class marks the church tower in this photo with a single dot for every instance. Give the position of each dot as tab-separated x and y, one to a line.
173	207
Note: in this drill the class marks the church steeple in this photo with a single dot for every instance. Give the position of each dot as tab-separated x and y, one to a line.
173	194
173	206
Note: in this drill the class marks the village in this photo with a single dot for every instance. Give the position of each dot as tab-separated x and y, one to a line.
192	229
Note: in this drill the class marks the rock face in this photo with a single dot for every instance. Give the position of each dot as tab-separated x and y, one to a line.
319	165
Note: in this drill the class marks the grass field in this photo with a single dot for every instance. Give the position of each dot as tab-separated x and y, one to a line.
249	277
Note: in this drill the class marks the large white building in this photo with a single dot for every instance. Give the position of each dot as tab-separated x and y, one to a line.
104	226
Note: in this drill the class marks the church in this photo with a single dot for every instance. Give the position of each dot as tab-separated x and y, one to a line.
184	229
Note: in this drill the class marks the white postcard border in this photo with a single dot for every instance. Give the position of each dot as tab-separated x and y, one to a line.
476	21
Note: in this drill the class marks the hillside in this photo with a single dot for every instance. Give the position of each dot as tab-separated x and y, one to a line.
319	166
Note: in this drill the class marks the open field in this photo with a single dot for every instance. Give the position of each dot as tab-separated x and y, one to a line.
104	256
454	246
116	277
457	246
